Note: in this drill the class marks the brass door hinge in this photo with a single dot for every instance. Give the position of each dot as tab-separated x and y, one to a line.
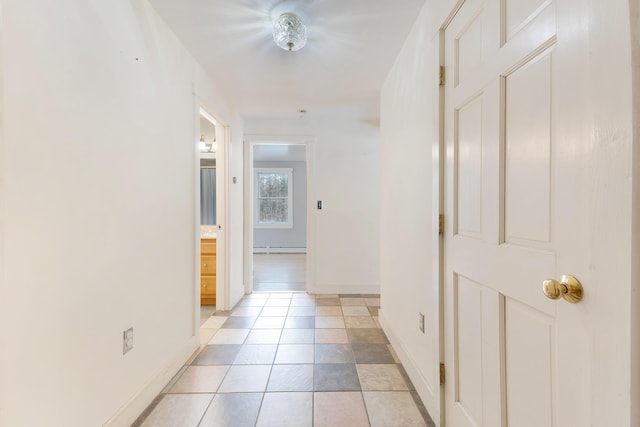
442	75
441	224
442	375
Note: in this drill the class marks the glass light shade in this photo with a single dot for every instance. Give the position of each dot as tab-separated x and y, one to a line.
206	148
289	32
202	146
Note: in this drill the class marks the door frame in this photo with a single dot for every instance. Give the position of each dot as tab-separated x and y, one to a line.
251	141
438	200
222	212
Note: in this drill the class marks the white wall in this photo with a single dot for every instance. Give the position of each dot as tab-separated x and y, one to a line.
3	293
99	208
345	167
236	219
409	249
296	236
634	7
409	207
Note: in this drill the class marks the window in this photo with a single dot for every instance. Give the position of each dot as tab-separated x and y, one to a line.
273	197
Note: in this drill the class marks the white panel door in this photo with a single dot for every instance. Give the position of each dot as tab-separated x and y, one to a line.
513	356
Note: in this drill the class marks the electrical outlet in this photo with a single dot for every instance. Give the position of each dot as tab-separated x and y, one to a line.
421	322
127	340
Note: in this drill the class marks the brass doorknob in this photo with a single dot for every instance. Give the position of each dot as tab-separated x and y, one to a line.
568	288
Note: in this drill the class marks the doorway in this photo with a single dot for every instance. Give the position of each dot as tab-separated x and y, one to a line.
211	213
278	217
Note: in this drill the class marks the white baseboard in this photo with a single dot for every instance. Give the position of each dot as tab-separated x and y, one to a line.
425	391
279	250
128	413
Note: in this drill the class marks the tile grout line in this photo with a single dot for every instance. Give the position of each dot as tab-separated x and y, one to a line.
350	338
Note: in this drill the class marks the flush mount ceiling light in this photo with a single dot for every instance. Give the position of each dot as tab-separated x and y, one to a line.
289	32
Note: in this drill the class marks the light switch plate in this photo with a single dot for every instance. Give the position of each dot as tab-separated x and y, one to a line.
127	340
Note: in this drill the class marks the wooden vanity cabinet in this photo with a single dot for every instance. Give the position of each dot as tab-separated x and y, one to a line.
207	271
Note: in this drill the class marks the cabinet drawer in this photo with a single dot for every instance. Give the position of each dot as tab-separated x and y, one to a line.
208	264
207	246
208	286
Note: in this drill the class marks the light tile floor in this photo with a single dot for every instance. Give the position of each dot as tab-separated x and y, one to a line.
291	359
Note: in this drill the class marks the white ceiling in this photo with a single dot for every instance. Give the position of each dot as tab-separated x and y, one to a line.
351	47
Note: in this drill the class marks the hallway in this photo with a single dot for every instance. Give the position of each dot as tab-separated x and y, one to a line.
291	359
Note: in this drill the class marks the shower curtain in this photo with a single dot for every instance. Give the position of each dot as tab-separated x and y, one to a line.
208	196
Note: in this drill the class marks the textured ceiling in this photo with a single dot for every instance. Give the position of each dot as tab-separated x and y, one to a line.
351	47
